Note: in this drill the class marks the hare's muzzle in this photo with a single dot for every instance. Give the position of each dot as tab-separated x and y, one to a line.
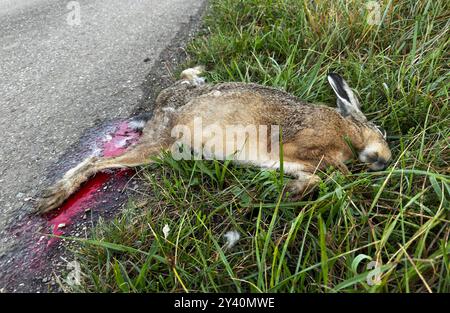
378	165
376	156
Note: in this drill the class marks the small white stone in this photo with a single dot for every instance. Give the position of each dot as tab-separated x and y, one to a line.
20	195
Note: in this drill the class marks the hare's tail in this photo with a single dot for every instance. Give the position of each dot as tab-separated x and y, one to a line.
192	74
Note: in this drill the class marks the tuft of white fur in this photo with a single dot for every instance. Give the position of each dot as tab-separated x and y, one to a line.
166	230
232	237
198	81
136	124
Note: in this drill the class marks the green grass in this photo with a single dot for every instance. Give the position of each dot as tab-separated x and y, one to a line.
324	243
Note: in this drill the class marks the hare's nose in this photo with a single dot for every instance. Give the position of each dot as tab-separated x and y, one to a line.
383	163
379	165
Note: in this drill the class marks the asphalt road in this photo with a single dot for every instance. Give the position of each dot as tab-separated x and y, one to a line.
61	71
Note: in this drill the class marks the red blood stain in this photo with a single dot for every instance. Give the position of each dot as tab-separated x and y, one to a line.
87	196
120	140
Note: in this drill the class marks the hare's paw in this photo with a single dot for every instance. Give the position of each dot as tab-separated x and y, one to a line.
298	188
51	198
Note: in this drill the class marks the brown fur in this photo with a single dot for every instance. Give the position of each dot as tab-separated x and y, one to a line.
313	135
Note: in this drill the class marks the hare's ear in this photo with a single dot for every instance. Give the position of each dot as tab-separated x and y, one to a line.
347	102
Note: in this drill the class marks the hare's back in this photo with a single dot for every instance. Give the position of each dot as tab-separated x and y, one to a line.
245	104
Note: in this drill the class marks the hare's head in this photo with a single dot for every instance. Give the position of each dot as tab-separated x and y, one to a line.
374	150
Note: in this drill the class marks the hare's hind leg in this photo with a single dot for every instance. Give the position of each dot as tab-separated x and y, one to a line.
138	155
154	140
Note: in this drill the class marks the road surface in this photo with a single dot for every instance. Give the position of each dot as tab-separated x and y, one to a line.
65	65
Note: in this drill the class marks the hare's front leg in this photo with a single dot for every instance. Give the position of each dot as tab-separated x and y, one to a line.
305	180
303	185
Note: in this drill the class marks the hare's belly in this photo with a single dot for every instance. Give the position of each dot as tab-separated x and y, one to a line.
221	141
